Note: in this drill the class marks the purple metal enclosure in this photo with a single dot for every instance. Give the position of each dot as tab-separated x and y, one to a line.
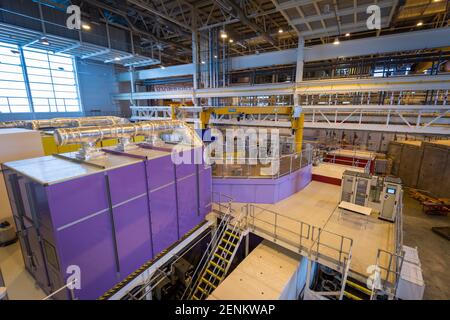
260	190
105	221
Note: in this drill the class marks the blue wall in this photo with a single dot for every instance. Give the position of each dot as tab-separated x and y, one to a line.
97	83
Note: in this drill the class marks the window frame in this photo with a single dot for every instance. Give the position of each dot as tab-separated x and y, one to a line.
61	91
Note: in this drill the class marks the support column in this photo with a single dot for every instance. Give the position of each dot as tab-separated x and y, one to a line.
132	86
194	55
297	116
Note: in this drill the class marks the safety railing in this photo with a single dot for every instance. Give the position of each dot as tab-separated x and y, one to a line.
386	275
352	161
275	226
69	285
226	217
330	246
268	168
389	264
223	202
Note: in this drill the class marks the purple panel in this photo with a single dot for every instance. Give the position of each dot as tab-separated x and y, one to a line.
89	245
160	172
205	180
188	215
189	168
127	182
75	199
265	194
132	226
164	218
263	190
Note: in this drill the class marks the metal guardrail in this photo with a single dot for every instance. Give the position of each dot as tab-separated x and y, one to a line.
301	230
68	285
389	276
244	167
353	162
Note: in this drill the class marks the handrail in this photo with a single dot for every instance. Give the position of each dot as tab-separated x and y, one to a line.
67	285
207	255
296	162
395	259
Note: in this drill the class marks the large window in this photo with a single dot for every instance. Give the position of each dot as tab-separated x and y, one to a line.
52	83
13	94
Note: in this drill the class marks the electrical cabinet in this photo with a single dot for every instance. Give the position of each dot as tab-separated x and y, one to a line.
391	198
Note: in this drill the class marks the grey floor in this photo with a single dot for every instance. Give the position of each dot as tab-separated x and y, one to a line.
434	251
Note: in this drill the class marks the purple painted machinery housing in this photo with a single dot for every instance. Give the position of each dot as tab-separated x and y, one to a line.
106	217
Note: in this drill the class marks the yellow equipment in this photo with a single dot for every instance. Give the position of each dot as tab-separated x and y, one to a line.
297	122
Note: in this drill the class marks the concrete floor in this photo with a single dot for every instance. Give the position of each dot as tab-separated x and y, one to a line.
434	251
20	284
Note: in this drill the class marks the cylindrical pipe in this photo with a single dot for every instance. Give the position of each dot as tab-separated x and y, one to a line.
75	122
89	135
12	124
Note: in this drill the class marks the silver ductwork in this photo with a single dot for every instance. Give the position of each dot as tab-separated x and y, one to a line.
89	136
64	122
12	124
75	122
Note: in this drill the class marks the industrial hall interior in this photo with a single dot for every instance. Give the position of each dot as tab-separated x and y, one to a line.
224	150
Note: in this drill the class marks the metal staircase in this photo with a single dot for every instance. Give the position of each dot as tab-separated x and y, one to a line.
355	290
219	254
219	264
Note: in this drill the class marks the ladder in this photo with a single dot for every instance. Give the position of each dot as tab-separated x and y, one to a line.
219	263
355	290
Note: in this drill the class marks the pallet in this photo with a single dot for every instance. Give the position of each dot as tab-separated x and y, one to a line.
442	231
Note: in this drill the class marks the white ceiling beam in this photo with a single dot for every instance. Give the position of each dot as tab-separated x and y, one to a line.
342	12
348	27
407	41
294	3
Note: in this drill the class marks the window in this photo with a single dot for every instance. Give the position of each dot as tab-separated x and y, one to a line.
13	94
51	80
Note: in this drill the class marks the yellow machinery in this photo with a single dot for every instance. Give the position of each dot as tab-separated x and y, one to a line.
50	147
296	120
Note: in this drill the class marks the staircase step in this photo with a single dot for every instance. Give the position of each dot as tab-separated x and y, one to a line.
217	266
225	250
213	274
231	234
359	287
229	242
208	283
351	296
221	258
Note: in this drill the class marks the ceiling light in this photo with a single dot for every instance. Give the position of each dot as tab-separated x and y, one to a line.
231	40
347	34
280	30
44	41
336	41
215	57
86	26
420	23
223	35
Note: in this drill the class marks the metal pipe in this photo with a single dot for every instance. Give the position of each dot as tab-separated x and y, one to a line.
90	135
12	124
75	122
